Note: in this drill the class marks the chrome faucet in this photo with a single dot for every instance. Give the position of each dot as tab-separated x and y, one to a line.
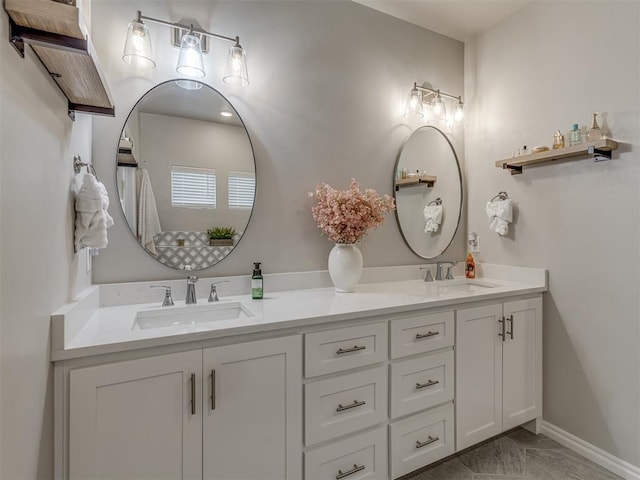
168	301
439	273
191	291
213	293
427	275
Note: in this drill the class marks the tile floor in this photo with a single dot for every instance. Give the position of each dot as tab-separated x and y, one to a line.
515	454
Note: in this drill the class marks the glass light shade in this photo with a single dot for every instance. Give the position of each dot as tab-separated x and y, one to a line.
413	107
137	46
190	63
438	108
189	84
235	72
459	115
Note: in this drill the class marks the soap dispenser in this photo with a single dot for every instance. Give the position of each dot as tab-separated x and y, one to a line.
256	282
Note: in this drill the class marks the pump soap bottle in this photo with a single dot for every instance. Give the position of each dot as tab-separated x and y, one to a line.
256	282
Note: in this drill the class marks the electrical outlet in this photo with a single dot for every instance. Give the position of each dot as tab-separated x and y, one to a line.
473	240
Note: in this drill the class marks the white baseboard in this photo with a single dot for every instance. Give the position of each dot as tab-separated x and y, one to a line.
593	453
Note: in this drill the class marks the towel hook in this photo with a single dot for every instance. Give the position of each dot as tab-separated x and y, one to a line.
501	196
437	201
78	164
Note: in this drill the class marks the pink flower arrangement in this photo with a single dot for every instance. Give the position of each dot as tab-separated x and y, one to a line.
345	216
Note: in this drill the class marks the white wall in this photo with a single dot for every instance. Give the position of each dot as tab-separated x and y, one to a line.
39	269
546	67
328	82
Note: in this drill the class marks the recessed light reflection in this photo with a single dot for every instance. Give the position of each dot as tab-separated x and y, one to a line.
226	114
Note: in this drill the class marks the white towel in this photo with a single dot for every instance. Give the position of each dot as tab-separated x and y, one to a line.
92	217
500	215
433	217
148	220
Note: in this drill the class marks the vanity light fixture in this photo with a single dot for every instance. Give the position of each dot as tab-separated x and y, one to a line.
193	43
434	100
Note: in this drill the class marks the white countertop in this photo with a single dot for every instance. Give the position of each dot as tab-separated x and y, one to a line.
88	327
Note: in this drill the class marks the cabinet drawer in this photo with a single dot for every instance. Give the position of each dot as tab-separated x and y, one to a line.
344	404
354	458
421	439
343	348
421	333
420	383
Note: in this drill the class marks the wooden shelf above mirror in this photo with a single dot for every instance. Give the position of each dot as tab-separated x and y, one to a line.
428	180
601	150
56	35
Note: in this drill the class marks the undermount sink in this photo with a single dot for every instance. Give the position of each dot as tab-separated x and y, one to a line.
191	314
462	286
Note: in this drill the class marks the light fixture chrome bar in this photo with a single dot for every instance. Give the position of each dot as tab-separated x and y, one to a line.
190	28
436	92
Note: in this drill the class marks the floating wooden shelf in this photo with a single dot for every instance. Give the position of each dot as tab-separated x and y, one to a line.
56	36
601	150
428	180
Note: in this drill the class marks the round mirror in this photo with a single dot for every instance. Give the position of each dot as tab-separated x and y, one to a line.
186	174
428	192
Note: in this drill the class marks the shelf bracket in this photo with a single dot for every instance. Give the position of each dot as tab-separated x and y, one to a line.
513	169
599	155
19	35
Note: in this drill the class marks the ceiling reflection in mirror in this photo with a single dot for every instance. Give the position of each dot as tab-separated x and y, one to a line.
186	175
428	192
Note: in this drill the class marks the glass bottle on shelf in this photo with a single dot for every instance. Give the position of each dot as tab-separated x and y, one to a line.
575	135
558	140
594	134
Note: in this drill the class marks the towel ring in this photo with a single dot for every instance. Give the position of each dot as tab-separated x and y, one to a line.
501	196
78	164
437	201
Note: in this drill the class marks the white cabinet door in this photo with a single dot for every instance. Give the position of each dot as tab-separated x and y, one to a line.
478	374
135	419
252	426
522	362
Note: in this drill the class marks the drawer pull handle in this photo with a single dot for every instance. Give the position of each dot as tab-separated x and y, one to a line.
192	380
430	383
429	441
213	389
510	320
355	404
420	336
355	469
355	348
502	332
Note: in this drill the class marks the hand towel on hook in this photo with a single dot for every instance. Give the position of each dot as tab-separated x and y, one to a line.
92	217
500	213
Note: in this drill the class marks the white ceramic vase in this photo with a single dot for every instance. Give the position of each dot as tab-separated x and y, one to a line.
345	266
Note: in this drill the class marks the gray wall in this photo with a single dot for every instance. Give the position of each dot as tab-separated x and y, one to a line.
167	141
546	67
39	269
328	82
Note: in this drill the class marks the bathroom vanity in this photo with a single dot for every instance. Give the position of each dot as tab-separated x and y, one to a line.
303	384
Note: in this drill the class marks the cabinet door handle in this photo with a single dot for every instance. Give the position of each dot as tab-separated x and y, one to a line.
355	404
355	469
502	328
510	332
429	441
430	383
193	394
426	335
213	389
355	348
